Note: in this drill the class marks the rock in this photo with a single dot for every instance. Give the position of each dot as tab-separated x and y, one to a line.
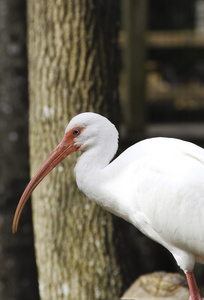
158	285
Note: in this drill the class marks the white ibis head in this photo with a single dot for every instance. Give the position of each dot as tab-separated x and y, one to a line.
82	133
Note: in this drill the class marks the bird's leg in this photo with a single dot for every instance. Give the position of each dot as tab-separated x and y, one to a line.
193	288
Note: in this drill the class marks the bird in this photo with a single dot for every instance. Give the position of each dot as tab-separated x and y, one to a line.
156	185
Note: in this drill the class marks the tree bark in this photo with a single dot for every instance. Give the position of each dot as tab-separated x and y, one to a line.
18	271
73	67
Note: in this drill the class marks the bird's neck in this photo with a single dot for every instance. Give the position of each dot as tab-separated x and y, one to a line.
94	178
89	175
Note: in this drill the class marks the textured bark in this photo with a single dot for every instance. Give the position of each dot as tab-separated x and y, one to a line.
73	67
18	271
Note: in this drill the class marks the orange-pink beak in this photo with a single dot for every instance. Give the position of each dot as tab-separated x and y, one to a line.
65	147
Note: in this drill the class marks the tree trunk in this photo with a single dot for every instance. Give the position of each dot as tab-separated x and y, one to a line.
134	64
73	67
18	271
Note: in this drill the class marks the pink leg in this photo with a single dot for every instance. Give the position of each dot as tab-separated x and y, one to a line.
193	288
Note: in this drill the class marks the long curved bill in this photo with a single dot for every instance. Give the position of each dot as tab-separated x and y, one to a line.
65	147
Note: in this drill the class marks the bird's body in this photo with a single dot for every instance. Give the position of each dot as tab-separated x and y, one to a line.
157	184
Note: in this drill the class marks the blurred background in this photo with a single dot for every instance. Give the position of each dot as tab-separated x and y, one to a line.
168	48
161	92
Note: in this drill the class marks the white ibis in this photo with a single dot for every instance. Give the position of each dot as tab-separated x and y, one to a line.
157	185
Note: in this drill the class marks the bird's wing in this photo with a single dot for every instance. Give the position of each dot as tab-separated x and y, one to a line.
165	178
170	193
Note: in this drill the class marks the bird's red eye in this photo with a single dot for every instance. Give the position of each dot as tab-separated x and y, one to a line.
76	132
